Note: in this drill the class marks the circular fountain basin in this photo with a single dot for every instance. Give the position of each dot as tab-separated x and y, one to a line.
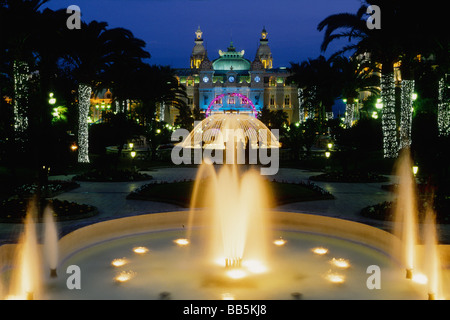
150	264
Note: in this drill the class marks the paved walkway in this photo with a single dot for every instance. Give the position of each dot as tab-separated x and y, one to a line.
110	199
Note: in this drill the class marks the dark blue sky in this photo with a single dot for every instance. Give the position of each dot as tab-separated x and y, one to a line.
168	26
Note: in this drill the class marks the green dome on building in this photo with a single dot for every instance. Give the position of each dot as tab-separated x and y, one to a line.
231	60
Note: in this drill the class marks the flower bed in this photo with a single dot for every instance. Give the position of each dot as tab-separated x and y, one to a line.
109	175
14	210
180	192
361	177
385	210
52	189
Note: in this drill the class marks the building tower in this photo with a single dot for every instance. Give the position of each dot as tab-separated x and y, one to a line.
199	51
264	53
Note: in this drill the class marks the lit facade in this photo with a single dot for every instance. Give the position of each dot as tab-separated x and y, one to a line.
99	104
232	83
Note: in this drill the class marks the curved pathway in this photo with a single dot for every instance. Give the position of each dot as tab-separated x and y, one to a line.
110	199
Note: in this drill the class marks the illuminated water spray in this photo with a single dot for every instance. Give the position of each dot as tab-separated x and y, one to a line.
406	213
237	204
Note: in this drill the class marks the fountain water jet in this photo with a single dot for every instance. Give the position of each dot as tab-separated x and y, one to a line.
431	258
406	227
26	279
50	241
205	168
236	202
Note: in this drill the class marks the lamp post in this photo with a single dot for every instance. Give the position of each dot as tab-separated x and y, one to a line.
52	99
133	155
327	156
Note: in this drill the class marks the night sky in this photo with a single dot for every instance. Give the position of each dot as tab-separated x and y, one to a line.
168	26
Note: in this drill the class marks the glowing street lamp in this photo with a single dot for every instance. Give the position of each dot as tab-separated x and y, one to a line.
415	169
133	154
52	99
327	154
74	147
330	145
379	104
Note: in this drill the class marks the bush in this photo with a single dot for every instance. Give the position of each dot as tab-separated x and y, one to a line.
112	175
361	177
14	210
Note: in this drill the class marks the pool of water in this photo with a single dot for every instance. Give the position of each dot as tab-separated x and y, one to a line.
168	270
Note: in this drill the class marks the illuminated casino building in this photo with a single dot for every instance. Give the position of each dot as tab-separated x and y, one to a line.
233	83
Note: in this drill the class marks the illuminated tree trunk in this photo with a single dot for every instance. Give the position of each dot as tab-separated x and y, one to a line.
84	103
301	107
406	113
349	112
21	73
388	120
443	109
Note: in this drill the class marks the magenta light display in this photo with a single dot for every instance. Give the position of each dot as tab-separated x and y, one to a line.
245	100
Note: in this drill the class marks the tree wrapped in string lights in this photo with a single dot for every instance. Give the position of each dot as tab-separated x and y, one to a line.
84	103
301	107
349	113
21	73
406	112
388	119
443	108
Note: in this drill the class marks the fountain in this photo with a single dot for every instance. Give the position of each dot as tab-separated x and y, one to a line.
405	216
237	202
407	229
432	257
50	241
230	245
26	277
218	130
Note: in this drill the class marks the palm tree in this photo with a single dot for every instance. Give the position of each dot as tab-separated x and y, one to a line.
384	46
316	77
355	76
97	54
407	35
16	17
127	53
89	59
157	85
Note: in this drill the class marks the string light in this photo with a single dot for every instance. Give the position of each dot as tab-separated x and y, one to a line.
406	113
301	109
388	121
84	103
443	109
310	105
349	112
21	73
162	111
